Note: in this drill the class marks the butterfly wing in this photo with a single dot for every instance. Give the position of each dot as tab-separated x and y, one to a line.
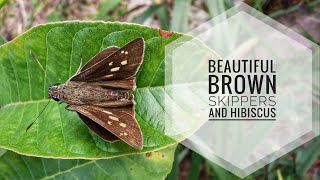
99	130
100	56
127	84
113	68
119	121
121	64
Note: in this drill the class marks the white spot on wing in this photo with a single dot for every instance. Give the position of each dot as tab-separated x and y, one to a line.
126	52
115	69
110	75
109	122
110	64
114	118
121	134
123	125
122	52
124	62
107	112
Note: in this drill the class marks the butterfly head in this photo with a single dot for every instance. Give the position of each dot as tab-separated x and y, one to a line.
54	92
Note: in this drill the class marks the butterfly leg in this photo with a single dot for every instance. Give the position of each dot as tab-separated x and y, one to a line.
68	108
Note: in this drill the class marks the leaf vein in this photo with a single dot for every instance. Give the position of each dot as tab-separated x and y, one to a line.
27	62
22	157
4	73
44	167
155	73
105	172
68	170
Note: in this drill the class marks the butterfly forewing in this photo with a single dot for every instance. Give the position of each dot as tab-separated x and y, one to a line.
128	84
121	64
100	57
119	121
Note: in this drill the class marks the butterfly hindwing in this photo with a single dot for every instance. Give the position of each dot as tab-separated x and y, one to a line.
121	64
99	130
119	121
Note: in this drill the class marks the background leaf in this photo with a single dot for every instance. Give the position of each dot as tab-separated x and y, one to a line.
179	155
147	13
2	151
105	7
2	3
59	48
164	18
155	165
306	156
196	162
180	14
2	40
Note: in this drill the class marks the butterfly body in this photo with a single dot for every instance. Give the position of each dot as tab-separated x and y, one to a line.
100	93
82	93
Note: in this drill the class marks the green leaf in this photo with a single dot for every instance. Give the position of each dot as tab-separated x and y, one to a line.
105	7
221	173
180	154
59	48
2	3
307	156
163	16
282	12
147	13
154	166
2	40
196	163
180	14
2	151
216	7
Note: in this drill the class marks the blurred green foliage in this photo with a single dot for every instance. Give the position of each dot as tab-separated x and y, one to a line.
2	40
2	3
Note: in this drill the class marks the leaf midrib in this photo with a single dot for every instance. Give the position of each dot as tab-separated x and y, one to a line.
46	100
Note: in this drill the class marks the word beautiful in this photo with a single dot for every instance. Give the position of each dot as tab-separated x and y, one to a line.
242	89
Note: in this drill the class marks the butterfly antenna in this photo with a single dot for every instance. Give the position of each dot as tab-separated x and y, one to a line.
38	116
36	59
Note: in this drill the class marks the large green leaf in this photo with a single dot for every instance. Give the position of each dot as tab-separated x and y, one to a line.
155	165
307	156
59	48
